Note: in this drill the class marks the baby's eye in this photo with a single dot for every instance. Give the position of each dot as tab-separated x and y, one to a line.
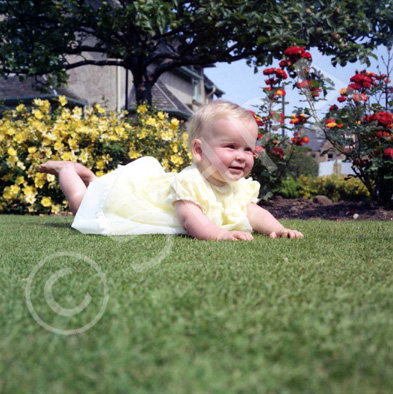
231	146
249	150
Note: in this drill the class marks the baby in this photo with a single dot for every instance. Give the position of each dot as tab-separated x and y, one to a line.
211	199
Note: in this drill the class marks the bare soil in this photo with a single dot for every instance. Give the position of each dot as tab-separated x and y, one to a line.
300	208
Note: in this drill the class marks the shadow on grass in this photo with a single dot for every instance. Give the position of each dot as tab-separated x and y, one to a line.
57	225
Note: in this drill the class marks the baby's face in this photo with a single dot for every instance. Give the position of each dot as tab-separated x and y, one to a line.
227	150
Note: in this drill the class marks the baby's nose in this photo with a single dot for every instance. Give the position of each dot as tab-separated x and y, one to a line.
240	155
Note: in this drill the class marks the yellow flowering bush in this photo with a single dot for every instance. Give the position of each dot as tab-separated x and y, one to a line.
335	187
94	137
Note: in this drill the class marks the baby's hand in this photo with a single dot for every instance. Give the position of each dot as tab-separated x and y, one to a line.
235	235
286	233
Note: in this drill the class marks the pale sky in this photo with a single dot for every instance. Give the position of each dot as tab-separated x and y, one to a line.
243	87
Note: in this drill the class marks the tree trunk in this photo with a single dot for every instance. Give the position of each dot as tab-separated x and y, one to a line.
143	89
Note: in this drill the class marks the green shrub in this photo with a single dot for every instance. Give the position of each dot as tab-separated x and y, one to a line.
290	188
302	164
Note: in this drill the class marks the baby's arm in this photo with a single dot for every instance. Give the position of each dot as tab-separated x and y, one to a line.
264	222
197	225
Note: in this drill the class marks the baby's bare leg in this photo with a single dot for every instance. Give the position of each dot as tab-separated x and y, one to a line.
73	179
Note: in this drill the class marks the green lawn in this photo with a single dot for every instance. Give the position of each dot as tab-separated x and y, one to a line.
312	315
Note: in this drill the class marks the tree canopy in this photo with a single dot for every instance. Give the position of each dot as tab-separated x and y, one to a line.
151	37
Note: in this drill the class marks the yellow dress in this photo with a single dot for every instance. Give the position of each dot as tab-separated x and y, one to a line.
138	199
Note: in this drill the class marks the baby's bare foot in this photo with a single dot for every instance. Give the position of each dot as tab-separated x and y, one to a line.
53	167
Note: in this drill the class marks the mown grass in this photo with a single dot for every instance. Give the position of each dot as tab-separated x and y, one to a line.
312	315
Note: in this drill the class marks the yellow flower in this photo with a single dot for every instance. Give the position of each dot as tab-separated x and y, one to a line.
151	121
12	160
165	164
63	101
174	124
12	152
11	191
141	133
58	145
47	152
30	198
166	135
29	190
39	180
50	177
20	107
141	109
38	114
19	180
73	143
84	156
100	165
134	154
100	173
176	160
46	202
119	131
77	113
55	209
161	115
10	131
38	102
7	195
99	109
32	149
67	156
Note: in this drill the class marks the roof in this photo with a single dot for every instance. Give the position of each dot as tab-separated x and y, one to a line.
165	100
13	91
316	138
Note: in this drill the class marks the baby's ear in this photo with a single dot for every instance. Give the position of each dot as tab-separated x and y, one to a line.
196	148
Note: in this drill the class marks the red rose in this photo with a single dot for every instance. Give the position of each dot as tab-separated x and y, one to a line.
281	74
384	119
333	108
269	71
299	141
285	63
278	152
354	86
383	134
381	76
306	55
388	152
293	51
341	99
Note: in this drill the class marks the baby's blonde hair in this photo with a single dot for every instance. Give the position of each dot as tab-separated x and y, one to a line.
210	112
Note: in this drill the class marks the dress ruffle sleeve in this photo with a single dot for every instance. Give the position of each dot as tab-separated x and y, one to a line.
189	185
247	190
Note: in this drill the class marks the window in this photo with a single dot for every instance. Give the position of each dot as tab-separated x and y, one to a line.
196	89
